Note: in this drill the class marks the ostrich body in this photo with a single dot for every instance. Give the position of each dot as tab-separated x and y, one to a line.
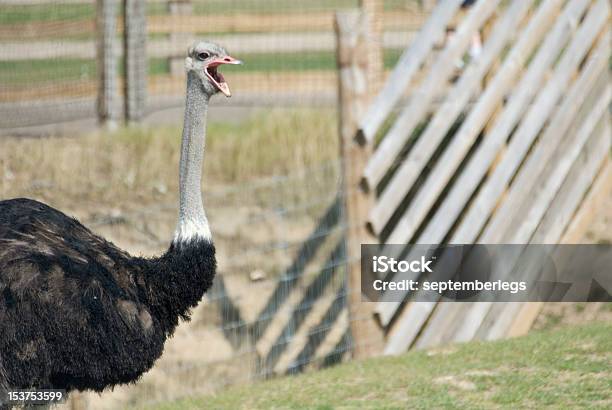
78	313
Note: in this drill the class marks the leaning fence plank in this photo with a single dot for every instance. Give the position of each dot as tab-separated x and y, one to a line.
462	142
524	319
496	319
535	119
434	333
595	72
476	120
545	191
562	162
575	186
403	333
455	101
420	104
537	204
477	311
583	173
407	66
444	212
590	206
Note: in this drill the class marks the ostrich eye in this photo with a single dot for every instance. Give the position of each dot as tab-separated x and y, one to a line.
203	56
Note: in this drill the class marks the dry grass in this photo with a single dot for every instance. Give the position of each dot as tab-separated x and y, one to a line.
140	165
123	186
276	143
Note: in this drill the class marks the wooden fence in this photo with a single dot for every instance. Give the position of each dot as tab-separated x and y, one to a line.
511	146
526	162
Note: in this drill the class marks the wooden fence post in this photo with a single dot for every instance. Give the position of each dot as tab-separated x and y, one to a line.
353	91
107	104
376	69
135	59
180	8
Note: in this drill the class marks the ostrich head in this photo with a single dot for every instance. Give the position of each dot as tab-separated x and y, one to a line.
203	60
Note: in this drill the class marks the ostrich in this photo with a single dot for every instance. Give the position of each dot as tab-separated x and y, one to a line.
78	313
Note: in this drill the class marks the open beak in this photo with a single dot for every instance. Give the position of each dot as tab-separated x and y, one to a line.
216	77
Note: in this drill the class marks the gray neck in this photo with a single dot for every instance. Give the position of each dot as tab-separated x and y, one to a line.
192	221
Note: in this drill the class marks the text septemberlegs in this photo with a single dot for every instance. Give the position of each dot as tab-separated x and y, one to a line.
450	285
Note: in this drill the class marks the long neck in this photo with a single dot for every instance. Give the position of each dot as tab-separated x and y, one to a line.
192	223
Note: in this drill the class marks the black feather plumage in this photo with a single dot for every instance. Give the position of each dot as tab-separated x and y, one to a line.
76	312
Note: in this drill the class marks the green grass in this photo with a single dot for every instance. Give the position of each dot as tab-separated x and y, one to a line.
288	62
301	61
36	72
28	71
46	12
13	14
69	12
570	368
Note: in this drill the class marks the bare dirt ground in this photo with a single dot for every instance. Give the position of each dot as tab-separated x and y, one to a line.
200	358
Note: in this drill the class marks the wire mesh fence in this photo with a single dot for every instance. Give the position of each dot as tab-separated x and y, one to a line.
279	303
288	46
47	61
50	69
